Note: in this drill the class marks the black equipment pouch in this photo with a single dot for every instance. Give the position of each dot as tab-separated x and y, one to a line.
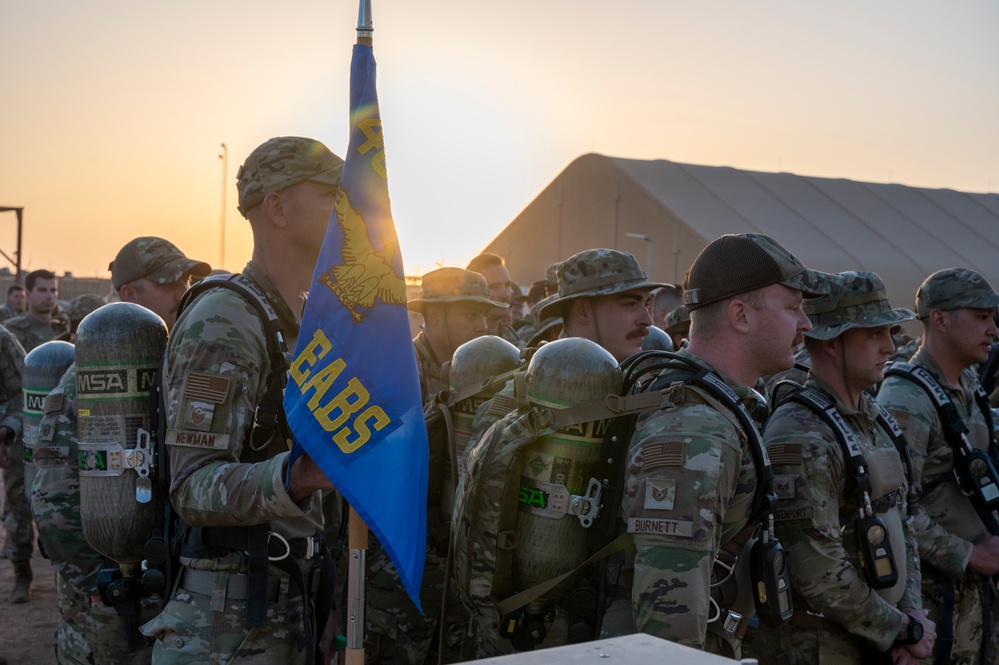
771	580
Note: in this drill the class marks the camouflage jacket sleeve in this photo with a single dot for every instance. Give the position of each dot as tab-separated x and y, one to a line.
687	471
811	479
216	374
917	417
11	366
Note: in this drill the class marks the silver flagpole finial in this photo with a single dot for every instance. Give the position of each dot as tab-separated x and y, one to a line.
364	27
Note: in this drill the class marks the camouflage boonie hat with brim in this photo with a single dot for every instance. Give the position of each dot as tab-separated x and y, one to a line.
282	162
734	264
155	259
855	300
954	288
677	321
447	285
597	272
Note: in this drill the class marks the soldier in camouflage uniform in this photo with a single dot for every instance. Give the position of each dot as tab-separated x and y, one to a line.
38	325
839	616
88	631
690	476
454	304
17	514
957	552
239	494
15	303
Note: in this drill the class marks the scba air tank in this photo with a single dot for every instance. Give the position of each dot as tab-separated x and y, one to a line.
118	352
43	367
558	468
475	363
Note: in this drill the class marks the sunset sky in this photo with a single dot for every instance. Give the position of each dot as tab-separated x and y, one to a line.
113	113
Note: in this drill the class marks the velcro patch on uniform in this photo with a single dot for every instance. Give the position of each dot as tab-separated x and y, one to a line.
784	486
199	416
785	453
659	494
190	439
663	453
794	513
206	387
901	417
53	403
662	527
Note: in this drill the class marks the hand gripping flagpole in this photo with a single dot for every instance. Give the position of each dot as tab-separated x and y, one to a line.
358	534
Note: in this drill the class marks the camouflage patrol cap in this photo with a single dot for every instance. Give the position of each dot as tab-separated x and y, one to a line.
155	259
954	288
597	272
677	321
282	162
855	300
447	285
734	264
80	306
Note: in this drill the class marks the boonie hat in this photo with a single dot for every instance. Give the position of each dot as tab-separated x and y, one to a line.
282	162
734	264
855	300
596	272
155	259
446	285
954	288
80	306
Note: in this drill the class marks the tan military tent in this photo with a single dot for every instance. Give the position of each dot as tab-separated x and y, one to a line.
902	233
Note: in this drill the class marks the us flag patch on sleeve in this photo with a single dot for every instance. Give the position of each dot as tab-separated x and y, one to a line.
785	453
202	387
663	453
901	417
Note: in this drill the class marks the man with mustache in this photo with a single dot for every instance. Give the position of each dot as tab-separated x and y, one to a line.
958	545
603	296
842	484
690	475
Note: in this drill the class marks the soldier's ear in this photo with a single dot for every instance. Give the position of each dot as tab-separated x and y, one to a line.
274	210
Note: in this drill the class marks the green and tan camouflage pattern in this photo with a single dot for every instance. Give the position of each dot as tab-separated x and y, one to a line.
856	300
216	480
31	332
818	504
80	306
282	162
677	321
596	272
17	513
87	631
155	259
689	487
954	288
949	524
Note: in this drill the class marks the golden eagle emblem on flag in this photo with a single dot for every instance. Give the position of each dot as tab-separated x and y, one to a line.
366	275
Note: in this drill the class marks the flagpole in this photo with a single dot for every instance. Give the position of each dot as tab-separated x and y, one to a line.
358	535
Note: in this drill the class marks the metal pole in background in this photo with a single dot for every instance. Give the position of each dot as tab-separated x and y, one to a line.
224	156
16	261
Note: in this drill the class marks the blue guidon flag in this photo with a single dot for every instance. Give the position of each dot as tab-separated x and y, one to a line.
353	398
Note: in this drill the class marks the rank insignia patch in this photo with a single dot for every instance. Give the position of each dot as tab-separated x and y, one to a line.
659	494
784	486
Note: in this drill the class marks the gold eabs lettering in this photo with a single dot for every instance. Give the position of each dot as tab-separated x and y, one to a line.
344	413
